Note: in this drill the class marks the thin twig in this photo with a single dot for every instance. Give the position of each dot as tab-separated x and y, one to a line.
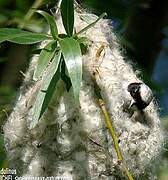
31	11
111	129
126	171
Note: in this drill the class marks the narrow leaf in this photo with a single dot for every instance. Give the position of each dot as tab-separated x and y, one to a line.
73	60
64	76
6	33
92	24
52	23
67	13
46	55
47	89
21	36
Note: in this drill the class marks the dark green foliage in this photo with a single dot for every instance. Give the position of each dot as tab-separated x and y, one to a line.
67	13
47	89
51	21
73	60
61	58
21	37
45	56
64	76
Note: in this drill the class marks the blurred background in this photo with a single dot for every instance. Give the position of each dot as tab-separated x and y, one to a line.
141	27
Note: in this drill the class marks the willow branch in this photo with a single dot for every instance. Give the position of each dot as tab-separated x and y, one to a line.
111	129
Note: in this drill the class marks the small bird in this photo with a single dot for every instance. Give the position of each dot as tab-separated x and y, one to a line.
141	94
141	97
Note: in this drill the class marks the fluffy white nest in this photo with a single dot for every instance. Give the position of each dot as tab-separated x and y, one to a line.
74	142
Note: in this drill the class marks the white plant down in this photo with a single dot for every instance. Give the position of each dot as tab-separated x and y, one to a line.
74	142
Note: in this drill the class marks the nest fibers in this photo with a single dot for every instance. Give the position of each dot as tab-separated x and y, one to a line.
73	142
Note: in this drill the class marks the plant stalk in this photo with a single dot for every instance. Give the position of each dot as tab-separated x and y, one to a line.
111	129
92	24
31	11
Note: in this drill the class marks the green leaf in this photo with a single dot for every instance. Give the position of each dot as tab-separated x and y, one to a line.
51	21
47	89
64	76
73	59
21	37
92	24
46	55
67	13
6	33
84	43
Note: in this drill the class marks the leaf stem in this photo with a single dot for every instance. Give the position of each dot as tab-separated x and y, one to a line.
111	129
